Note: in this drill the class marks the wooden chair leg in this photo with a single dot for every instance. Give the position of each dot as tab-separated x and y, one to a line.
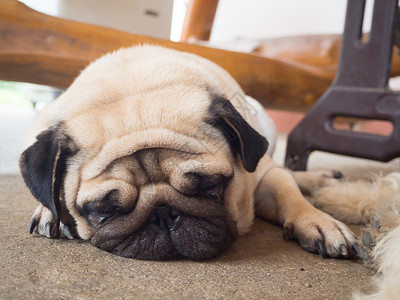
199	20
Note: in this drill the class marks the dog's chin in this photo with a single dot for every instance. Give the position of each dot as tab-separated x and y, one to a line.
186	236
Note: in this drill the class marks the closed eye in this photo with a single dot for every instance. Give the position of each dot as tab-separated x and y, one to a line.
204	185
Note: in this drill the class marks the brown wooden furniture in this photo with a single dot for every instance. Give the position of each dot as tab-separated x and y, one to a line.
38	48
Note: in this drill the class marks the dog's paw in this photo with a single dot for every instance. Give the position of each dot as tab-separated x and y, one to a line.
376	230
44	223
318	232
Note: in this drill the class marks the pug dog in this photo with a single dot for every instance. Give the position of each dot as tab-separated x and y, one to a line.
156	154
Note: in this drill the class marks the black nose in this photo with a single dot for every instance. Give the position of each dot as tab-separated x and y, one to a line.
166	217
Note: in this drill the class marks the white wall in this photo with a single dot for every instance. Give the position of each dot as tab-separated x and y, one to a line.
144	17
258	19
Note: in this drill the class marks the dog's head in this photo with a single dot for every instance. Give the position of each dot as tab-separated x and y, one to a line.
150	175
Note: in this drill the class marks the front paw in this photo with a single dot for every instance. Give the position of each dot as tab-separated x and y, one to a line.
44	223
318	232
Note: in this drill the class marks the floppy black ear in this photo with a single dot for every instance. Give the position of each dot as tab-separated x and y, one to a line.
42	166
242	138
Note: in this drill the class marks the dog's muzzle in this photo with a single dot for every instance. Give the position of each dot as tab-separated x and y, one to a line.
187	228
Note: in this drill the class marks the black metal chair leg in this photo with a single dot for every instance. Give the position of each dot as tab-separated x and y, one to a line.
359	90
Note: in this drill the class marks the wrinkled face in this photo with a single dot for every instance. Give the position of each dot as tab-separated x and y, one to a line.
156	193
159	204
153	193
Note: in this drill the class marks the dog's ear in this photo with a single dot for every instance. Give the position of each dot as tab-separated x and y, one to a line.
242	138
42	166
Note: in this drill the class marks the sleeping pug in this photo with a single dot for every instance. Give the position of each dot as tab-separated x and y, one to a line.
155	154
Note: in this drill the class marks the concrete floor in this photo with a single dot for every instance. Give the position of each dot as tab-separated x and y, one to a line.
259	266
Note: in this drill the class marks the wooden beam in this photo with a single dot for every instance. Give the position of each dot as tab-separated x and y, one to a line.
41	49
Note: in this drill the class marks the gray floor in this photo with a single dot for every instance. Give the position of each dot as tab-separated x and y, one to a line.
260	265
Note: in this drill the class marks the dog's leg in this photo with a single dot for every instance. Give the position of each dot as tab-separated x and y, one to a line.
278	199
45	224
